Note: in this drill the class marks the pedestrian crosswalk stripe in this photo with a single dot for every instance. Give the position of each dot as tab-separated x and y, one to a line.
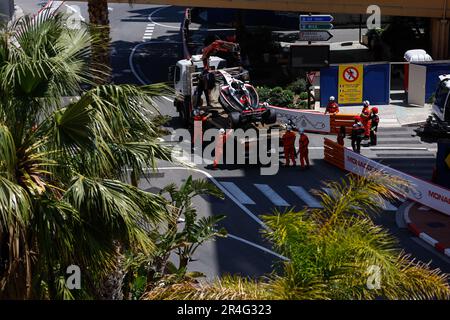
237	193
305	197
272	195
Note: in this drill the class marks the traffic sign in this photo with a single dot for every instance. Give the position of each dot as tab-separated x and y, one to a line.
315	36
316	18
311	76
318	26
351	74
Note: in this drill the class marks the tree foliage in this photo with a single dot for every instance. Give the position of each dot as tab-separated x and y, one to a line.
63	162
332	252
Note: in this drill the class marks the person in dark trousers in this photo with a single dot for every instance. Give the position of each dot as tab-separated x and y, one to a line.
357	134
341	136
206	83
375	119
303	149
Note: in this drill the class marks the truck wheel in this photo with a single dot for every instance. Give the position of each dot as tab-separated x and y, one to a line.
235	119
270	116
184	115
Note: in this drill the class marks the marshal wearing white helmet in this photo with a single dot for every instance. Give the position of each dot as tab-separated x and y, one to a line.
332	106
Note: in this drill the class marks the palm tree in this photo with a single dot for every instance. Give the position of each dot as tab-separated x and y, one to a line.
100	31
336	252
182	241
63	162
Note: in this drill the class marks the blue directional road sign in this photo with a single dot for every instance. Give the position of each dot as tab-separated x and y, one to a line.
316	18
313	27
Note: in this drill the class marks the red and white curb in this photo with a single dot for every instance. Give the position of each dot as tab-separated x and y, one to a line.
422	235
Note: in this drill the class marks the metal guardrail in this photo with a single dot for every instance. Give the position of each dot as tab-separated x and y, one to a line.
334	153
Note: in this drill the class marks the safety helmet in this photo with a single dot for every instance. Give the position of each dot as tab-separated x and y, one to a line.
288	128
357	118
332	98
366	103
375	109
222	131
301	130
196	112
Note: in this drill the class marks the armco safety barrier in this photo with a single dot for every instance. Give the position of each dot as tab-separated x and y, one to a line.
423	192
338	120
314	121
334	153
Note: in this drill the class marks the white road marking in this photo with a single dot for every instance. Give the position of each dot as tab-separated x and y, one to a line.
132	67
427	239
148	34
305	197
130	60
257	246
272	195
168	99
150	18
225	191
237	192
398	148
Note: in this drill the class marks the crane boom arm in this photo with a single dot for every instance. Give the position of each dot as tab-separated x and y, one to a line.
217	46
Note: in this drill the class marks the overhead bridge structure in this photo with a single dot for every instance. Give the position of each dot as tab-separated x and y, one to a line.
437	10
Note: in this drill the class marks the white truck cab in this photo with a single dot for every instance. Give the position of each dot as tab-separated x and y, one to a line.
184	69
184	76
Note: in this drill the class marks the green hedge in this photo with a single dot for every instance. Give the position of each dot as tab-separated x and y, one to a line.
298	86
282	97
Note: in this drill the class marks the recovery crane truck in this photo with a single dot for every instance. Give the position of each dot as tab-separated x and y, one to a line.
234	102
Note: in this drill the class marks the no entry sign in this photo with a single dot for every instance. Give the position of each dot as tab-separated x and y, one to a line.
351	74
350	84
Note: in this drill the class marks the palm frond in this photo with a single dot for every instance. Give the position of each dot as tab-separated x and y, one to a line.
15	205
8	158
227	288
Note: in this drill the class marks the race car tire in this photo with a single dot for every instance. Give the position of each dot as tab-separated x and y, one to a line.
235	119
270	116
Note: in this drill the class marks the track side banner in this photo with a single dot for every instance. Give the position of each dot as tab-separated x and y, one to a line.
421	191
311	121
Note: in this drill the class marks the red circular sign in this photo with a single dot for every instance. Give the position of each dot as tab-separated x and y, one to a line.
351	74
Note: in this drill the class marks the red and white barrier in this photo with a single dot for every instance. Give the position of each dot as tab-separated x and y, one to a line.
311	121
420	191
422	235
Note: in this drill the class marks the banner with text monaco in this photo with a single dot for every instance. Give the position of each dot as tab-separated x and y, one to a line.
421	191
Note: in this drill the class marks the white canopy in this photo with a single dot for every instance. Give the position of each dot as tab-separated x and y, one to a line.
417	55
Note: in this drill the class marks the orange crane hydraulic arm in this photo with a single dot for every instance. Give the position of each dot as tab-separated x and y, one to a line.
219	45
